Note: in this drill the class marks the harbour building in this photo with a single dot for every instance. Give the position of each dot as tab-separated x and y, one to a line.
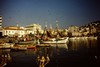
0	26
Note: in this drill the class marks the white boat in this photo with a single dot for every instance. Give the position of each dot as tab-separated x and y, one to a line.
19	48
6	45
57	37
61	40
43	45
26	42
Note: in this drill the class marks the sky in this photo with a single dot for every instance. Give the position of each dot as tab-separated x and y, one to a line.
46	12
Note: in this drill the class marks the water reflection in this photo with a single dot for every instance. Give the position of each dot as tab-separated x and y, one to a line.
43	56
42	61
76	44
4	57
77	52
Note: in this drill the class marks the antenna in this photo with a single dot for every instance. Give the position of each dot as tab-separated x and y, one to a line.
50	26
45	24
57	23
17	25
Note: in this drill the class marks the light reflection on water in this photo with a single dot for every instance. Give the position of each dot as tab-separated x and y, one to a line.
77	52
81	43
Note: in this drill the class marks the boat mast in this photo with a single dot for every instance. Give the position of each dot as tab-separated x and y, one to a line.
57	28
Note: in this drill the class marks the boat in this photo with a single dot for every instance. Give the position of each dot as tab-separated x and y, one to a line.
26	42
59	41
48	38
42	45
31	47
6	45
19	48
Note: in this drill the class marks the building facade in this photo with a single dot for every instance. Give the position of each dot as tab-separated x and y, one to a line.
0	25
13	31
74	30
33	29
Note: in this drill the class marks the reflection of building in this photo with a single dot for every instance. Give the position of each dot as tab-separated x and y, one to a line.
13	31
42	61
43	56
4	57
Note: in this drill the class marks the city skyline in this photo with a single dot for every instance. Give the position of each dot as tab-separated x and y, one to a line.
66	12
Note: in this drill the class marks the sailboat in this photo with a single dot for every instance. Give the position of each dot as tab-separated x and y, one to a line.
56	39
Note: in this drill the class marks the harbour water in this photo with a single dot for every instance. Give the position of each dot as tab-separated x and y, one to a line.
76	53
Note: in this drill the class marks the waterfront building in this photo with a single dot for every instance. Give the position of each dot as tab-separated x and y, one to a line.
13	31
0	25
74	30
92	30
64	32
84	31
0	21
33	29
98	28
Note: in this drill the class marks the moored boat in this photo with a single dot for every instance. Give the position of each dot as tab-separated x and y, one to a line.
31	47
19	48
43	45
61	40
6	45
26	42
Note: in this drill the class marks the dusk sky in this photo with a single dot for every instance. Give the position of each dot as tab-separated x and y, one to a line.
66	12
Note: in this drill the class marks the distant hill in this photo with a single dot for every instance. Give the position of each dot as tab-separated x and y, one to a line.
94	23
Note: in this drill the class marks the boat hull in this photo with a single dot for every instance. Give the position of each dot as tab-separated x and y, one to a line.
43	45
6	45
31	47
56	41
18	49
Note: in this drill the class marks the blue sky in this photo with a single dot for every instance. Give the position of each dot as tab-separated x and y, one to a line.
66	12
